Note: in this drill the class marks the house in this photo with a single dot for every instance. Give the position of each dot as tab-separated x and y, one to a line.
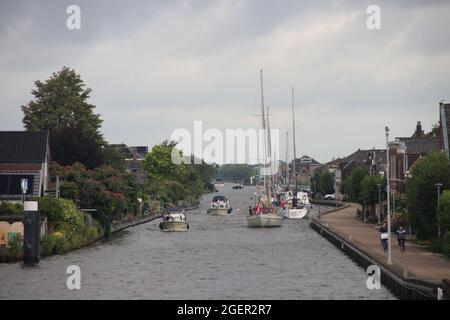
305	167
23	155
134	157
405	151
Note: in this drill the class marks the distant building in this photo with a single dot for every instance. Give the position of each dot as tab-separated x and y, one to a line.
134	157
23	155
305	167
444	120
405	151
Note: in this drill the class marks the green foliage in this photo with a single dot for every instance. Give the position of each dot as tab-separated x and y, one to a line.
444	212
113	157
10	209
112	191
60	106
422	193
351	186
369	190
322	182
13	253
169	182
236	172
61	214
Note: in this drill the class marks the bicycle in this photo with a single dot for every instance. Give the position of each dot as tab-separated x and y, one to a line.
401	244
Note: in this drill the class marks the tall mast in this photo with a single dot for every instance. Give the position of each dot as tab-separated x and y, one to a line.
293	134
263	121
287	166
269	153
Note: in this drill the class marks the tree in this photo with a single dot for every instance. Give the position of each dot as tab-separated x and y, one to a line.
322	181
369	190
170	182
422	194
444	212
60	107
352	184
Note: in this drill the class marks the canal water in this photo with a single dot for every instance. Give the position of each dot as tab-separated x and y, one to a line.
218	258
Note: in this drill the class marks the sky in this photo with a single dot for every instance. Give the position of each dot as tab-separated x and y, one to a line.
157	66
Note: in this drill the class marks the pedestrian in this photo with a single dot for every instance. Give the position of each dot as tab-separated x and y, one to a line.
384	236
401	237
283	204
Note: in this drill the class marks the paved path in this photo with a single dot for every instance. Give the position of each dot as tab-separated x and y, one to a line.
421	263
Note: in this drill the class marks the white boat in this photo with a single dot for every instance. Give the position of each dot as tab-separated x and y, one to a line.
174	220
297	203
220	206
264	220
264	215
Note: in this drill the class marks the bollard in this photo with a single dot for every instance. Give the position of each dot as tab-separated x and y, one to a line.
32	230
440	294
405	269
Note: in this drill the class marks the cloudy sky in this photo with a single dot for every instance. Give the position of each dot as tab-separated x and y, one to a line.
155	66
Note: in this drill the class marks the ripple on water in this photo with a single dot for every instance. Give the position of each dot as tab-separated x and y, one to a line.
219	258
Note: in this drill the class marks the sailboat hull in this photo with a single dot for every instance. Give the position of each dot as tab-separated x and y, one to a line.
295	213
264	221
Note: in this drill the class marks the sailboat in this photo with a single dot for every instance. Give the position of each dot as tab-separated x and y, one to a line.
299	207
265	214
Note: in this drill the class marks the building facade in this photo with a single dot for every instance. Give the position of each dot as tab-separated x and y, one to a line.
24	157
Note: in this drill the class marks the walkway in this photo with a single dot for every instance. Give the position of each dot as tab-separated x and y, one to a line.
416	263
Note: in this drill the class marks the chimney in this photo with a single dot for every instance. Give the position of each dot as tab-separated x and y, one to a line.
418	128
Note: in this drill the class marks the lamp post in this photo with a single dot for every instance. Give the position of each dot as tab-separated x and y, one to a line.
438	186
388	190
379	202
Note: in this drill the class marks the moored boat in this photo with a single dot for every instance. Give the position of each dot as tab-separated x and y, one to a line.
174	220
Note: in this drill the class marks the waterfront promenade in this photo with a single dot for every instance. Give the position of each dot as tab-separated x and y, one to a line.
417	264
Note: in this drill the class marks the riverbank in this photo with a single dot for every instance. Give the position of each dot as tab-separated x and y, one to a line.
15	254
415	274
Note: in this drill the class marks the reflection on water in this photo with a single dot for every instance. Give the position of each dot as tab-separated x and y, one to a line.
218	258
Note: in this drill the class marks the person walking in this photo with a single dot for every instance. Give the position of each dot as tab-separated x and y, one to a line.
401	237
384	236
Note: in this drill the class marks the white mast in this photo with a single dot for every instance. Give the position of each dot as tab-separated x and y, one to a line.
287	165
293	134
263	121
269	153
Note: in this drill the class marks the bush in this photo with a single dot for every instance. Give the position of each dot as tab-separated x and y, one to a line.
446	245
48	244
10	209
62	215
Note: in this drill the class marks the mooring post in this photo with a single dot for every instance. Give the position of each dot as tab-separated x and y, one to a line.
32	232
405	269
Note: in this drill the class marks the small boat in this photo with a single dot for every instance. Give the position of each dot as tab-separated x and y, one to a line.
174	220
298	211
262	220
220	206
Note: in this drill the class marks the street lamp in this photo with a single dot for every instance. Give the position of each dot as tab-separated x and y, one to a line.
388	190
438	186
379	202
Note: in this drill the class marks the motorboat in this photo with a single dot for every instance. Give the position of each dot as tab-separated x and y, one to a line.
174	220
220	206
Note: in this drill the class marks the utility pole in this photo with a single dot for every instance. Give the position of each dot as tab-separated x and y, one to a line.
388	190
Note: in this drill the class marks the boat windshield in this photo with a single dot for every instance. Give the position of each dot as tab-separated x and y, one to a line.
219	198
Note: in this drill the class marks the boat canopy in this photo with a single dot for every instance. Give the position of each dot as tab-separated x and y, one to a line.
219	198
